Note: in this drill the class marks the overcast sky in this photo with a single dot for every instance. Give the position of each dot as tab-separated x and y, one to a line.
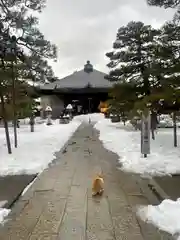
85	30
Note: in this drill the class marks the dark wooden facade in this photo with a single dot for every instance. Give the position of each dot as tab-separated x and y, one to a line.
86	88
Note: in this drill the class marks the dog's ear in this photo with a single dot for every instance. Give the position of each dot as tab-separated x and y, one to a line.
100	175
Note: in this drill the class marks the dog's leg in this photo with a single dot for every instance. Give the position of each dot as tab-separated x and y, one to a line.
94	194
101	191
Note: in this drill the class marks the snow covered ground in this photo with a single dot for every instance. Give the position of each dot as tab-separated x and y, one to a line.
125	141
35	150
164	216
93	118
3	211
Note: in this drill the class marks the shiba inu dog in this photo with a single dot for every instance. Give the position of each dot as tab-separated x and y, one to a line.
98	185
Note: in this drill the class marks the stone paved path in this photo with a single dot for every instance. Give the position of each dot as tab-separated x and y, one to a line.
59	205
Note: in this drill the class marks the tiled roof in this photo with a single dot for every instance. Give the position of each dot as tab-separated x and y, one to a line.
80	79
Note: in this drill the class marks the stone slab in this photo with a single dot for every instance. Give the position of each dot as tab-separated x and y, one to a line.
22	226
43	236
99	222
50	219
74	222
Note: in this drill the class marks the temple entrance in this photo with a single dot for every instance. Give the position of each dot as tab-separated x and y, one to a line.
85	103
84	89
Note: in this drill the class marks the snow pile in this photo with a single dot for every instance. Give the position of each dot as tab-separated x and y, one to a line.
94	117
164	216
25	121
123	140
35	150
2	203
3	214
28	186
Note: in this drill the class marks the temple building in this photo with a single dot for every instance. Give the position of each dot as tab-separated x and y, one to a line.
84	89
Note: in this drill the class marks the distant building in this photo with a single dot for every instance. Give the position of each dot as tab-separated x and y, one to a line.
83	89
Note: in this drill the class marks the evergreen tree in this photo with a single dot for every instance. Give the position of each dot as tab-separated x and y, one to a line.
37	70
131	60
169	57
167	4
132	57
24	100
149	59
164	3
122	99
19	34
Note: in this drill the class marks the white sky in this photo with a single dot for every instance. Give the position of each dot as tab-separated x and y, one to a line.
85	30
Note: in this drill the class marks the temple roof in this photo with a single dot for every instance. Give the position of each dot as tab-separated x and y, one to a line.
81	79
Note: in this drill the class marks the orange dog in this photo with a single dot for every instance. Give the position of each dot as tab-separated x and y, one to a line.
98	185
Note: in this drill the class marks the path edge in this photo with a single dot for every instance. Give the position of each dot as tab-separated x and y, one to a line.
20	202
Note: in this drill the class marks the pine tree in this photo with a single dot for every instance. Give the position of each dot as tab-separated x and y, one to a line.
19	34
175	4
169	57
36	70
132	58
122	99
164	3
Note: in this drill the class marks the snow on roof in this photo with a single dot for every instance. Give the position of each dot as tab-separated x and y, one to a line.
80	79
69	107
48	108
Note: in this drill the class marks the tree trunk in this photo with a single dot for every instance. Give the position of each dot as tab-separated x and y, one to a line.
14	106
18	123
175	129
5	124
153	134
32	127
153	124
32	122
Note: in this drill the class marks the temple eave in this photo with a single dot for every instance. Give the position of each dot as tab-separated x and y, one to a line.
75	90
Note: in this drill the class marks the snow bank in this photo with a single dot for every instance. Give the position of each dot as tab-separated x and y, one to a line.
35	150
28	186
2	203
3	214
94	117
164	216
123	140
3	211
